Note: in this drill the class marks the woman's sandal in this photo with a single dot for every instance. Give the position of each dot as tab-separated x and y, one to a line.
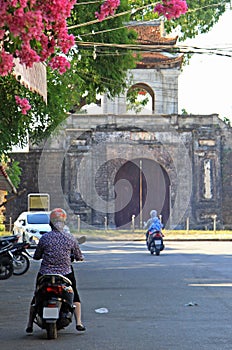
80	328
29	330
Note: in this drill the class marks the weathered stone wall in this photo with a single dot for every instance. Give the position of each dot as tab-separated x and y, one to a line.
29	183
227	188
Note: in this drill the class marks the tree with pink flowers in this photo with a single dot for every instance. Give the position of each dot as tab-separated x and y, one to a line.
35	31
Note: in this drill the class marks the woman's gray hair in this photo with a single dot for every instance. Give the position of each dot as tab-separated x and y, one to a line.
153	213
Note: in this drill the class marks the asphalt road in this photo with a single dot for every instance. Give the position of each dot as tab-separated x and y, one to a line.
180	300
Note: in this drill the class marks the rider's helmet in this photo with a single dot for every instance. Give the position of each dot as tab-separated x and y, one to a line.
58	215
153	213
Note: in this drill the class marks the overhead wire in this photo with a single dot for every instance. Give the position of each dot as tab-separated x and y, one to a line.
227	52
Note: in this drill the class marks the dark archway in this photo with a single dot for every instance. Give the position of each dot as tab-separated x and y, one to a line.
148	185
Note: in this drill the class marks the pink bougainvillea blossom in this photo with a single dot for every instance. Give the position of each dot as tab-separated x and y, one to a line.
60	63
171	8
6	63
168	8
107	9
23	104
25	31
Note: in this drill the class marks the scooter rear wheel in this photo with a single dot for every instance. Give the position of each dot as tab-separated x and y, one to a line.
51	331
6	268
151	251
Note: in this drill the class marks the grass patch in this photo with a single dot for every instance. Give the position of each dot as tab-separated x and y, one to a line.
117	235
140	234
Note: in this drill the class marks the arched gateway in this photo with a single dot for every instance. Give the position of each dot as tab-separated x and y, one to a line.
150	190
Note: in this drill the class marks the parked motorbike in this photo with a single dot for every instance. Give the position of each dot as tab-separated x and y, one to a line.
155	242
53	307
4	240
21	261
18	252
6	261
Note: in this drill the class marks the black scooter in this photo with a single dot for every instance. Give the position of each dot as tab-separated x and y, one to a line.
155	242
6	261
53	307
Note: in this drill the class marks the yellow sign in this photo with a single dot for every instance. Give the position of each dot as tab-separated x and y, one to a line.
38	201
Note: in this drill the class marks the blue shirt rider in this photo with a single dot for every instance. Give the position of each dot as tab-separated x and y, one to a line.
153	224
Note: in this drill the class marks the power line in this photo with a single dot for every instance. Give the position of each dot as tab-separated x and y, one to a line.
226	51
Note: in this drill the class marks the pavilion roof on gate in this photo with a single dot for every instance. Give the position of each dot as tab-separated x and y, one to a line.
150	35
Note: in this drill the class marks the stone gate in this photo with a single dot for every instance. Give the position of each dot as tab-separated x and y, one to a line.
108	168
112	167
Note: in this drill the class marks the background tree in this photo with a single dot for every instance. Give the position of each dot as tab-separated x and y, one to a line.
200	18
101	69
91	73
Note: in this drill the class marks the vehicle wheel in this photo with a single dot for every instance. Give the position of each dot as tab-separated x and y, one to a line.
157	252
21	264
6	268
51	331
152	251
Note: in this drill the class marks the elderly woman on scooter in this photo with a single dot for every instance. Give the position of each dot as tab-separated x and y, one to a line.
55	249
153	224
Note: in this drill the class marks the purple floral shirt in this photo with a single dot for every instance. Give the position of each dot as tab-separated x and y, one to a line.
54	248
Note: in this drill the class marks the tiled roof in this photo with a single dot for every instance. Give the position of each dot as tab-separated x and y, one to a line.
152	33
159	60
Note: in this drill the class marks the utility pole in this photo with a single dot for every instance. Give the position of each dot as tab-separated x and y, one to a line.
141	193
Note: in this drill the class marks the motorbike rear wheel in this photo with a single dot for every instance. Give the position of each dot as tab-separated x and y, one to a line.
6	268
21	264
51	331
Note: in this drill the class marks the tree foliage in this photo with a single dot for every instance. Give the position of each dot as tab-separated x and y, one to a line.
202	15
102	70
79	85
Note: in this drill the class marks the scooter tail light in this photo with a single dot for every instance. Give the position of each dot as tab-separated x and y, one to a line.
54	289
51	305
158	235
